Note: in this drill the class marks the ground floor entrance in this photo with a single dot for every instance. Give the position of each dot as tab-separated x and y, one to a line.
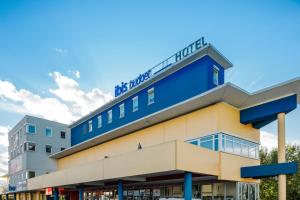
200	191
174	186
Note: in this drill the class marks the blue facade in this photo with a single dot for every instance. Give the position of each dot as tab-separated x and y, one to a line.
266	113
264	171
181	85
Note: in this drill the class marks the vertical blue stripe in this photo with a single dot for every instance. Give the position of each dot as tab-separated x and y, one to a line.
120	190
188	186
56	194
81	191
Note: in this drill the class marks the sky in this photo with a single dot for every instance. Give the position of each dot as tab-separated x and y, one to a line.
61	59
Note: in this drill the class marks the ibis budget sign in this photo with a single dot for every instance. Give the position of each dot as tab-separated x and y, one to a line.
126	86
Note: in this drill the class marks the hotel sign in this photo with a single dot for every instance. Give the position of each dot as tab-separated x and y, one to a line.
126	86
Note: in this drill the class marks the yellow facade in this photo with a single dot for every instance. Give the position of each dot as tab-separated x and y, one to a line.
164	149
220	117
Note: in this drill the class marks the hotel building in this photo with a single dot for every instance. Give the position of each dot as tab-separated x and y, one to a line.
177	131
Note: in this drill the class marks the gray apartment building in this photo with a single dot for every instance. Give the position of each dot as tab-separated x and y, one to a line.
31	142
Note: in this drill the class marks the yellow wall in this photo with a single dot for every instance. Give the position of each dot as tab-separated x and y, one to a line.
173	156
216	118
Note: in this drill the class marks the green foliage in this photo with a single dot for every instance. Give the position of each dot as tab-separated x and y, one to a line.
269	186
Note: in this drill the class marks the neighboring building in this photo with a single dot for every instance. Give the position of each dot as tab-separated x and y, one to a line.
31	142
177	131
3	183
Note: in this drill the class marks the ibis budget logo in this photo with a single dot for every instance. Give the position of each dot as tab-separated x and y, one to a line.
126	86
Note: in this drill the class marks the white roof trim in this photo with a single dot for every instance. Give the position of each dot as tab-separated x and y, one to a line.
228	93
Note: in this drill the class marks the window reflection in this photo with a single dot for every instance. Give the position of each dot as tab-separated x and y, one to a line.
228	143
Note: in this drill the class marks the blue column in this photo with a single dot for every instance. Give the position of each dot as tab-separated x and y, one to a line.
188	183
15	196
56	194
6	196
81	191
120	190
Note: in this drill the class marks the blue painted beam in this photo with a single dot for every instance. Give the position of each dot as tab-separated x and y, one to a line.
188	186
266	113
265	171
56	194
81	193
120	190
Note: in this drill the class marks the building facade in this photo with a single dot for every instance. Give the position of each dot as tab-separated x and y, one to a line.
31	142
177	131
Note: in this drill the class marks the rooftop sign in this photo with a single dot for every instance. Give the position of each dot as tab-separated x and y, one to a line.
126	86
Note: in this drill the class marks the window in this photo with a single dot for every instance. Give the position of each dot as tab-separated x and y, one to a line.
48	148
122	110
48	132
62	148
84	127
29	146
207	142
90	126
63	134
194	142
229	144
109	116
150	96
99	121
30	128
30	174
239	146
216	75
135	104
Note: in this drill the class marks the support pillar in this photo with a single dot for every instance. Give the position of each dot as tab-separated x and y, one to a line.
15	196
188	186
120	190
81	191
37	195
55	194
6	196
281	155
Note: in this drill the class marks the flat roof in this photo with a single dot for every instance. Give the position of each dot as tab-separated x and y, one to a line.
227	92
209	50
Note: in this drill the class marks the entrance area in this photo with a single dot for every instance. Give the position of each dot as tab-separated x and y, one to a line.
201	191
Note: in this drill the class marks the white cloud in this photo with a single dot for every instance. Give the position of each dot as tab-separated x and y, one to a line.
81	102
76	73
25	102
270	140
3	149
70	103
61	51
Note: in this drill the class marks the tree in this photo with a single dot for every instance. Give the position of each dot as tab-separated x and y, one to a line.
269	186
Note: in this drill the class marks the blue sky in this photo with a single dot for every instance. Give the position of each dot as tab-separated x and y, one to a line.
113	41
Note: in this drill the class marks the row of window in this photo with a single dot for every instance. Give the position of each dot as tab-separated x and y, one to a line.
135	107
31	129
31	146
229	144
17	179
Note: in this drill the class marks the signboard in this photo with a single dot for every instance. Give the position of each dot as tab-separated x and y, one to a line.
11	188
49	191
185	52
